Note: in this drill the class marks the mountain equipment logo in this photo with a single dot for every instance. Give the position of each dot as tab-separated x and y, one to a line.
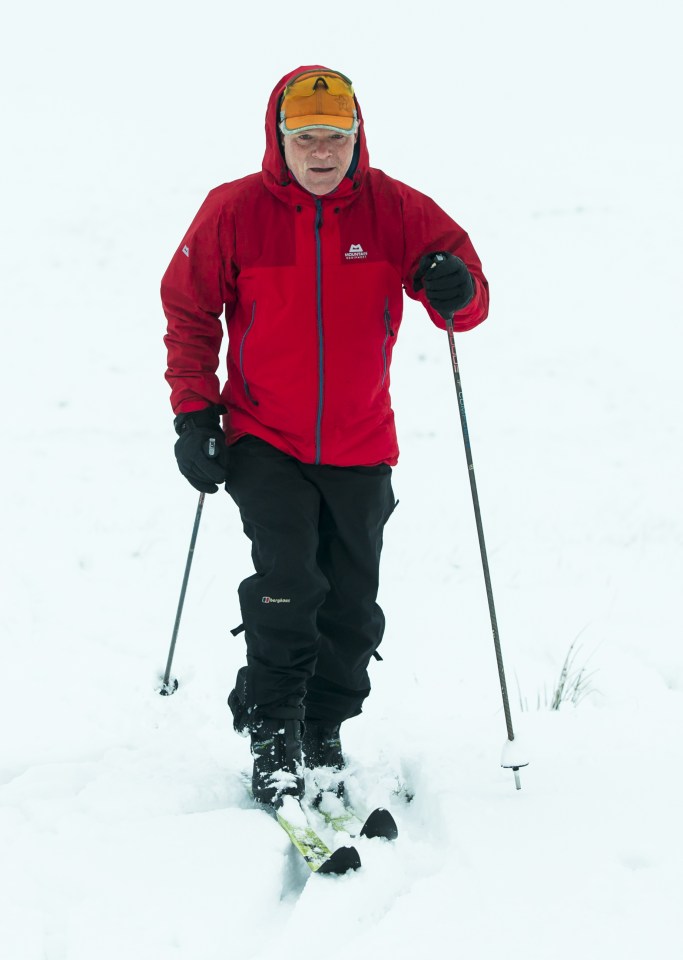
355	252
186	250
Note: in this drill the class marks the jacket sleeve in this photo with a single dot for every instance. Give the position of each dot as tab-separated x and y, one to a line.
428	229
196	287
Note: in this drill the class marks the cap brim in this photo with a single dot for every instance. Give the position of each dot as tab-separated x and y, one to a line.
295	124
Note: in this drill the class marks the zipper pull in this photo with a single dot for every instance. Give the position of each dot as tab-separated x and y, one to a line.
387	322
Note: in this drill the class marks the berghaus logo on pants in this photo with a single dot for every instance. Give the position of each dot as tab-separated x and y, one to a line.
275	600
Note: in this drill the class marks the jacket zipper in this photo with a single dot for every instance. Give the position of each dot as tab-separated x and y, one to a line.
388	333
243	341
319	310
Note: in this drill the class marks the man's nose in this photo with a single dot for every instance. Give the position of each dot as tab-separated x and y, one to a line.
322	150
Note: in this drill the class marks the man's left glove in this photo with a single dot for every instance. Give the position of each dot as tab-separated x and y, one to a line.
200	449
447	282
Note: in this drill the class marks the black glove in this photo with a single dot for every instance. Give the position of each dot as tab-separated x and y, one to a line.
447	282
200	450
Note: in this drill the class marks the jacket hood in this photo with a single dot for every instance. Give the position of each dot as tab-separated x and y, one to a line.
275	172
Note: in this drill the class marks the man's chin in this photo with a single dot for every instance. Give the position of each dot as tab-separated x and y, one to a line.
321	182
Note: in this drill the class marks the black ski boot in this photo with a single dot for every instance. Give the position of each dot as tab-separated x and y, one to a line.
278	767
322	745
322	748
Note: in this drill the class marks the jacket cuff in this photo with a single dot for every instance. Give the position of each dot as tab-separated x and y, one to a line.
207	417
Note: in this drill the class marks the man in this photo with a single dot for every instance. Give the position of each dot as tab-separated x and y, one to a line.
308	260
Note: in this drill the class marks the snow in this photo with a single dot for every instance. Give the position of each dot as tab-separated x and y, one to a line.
550	133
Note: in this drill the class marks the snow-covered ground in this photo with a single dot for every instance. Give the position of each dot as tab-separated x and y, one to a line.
552	133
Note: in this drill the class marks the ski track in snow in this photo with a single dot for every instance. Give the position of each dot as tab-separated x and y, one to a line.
125	830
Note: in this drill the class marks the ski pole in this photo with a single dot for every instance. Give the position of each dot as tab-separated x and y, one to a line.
511	758
169	687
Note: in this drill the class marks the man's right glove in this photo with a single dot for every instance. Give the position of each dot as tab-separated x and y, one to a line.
447	282
200	449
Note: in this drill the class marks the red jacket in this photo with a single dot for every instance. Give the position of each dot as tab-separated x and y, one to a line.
312	289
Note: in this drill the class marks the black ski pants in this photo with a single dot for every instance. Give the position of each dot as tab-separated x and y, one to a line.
310	611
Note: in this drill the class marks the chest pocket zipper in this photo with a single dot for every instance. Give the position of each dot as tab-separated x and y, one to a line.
242	343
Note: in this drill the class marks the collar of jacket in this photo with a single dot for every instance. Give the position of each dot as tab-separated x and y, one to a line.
290	191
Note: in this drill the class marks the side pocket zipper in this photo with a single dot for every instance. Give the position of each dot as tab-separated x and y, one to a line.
388	333
243	341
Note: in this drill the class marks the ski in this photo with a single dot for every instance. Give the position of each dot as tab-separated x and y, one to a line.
293	819
294	816
316	854
344	818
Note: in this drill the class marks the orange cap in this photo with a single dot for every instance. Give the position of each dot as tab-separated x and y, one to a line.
318	99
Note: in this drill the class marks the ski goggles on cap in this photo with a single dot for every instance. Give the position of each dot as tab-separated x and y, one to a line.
318	99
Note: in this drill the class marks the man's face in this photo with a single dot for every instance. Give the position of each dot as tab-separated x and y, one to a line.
319	158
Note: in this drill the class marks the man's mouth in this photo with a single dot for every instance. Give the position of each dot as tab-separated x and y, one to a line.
321	169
